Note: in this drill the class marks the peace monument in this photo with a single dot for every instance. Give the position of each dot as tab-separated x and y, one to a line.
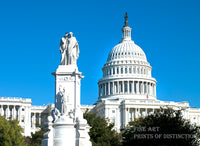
66	126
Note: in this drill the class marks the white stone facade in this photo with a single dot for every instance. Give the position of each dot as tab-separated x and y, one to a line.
20	109
127	90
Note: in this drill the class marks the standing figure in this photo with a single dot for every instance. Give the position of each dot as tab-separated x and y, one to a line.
63	102
63	49
73	49
69	49
60	101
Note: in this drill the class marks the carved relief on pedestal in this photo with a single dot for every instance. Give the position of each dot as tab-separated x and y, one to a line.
66	79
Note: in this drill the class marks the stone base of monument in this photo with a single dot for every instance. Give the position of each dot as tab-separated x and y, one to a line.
64	131
67	127
67	132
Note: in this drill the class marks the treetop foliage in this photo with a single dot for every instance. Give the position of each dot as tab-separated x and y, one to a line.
102	132
10	133
166	127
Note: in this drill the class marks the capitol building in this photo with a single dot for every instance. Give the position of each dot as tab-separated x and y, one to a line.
127	91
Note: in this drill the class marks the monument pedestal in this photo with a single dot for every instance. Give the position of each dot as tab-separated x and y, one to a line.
64	132
67	127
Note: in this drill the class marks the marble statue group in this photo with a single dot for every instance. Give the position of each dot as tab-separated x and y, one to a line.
66	125
69	49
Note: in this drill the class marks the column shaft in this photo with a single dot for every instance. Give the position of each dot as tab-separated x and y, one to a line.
128	87
108	88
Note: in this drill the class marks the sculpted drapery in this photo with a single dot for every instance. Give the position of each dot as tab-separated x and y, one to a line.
69	49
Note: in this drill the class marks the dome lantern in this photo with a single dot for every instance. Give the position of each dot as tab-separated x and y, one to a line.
126	30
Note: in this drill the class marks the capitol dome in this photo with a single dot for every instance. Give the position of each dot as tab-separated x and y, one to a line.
127	73
127	50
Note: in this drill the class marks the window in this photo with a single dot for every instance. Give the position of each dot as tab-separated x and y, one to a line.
113	71
113	111
111	88
134	70
130	87
106	88
125	87
22	109
10	112
4	111
121	70
130	70
117	70
126	71
135	87
113	120
121	85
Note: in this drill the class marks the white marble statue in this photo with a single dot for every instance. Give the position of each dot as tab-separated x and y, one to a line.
63	102
69	49
60	102
56	114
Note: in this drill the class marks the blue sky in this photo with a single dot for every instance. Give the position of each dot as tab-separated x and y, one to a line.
30	33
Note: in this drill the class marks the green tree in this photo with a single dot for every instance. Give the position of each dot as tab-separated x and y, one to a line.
36	138
166	127
102	132
10	133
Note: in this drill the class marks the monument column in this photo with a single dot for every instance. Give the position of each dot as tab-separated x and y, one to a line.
68	127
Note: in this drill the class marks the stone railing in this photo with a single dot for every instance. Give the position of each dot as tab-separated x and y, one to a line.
15	99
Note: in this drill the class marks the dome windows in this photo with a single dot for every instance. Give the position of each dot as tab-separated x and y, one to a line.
121	70
130	70
134	70
126	70
138	70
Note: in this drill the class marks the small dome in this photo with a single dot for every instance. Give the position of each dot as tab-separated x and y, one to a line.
126	50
